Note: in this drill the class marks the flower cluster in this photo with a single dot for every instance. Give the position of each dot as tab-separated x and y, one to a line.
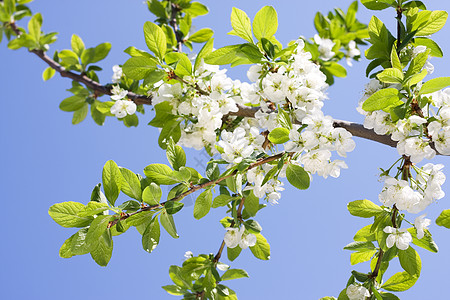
416	195
356	291
238	236
122	107
206	101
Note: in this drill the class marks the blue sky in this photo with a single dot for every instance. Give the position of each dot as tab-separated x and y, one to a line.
45	160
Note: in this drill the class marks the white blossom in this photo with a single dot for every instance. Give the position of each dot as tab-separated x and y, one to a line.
400	237
118	93
421	224
117	73
356	291
123	107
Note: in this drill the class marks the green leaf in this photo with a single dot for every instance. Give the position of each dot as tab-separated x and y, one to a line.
444	218
364	208
250	52
142	218
65	250
279	135
251	204
416	78
365	234
395	60
100	52
435	23
172	207
131	186
78	244
202	35
206	49
361	256
375	4
34	27
222	56
336	69
66	214
196	9
360	246
410	261
261	249
103	252
97	228
48	73
152	194
436	51
163	114
80	114
150	238
297	176
155	39
138	67
234	274
382	99
174	290
222	200
399	282
112	181
168	224
265	24
184	66
391	75
68	57
203	204
92	208
170	131
241	25
426	242
72	103
77	45
160	174
233	253
434	85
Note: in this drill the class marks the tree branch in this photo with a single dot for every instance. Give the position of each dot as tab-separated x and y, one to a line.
199	187
97	87
355	129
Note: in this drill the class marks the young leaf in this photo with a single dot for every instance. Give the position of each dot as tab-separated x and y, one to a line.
234	274
279	135
382	99
131	185
233	253
265	24
241	25
152	194
434	85
399	282
150	238
77	45
262	248
364	208
160	174
48	73
155	39
112	181
138	67
168	224
203	204
202	35
97	228
102	253
391	75
297	176
66	214
410	261
175	155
